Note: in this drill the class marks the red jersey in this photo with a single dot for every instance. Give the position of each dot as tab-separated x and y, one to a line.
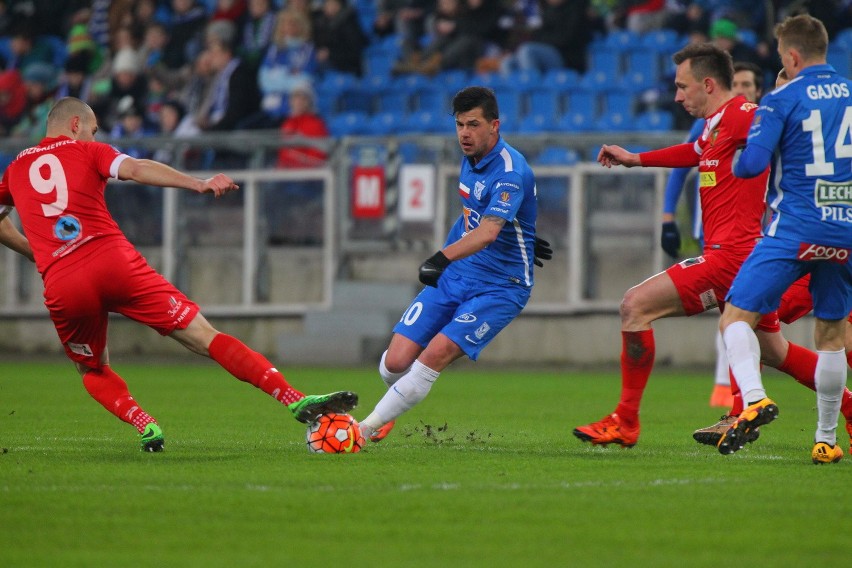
308	125
732	208
57	188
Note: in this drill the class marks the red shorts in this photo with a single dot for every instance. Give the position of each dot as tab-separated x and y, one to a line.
703	282
797	301
103	277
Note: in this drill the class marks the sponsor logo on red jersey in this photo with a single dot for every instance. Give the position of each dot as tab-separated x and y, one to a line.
810	251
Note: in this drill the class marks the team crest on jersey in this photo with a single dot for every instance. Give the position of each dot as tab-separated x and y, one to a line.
67	227
713	135
478	188
748	107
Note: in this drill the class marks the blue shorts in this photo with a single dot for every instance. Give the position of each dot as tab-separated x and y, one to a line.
468	311
775	264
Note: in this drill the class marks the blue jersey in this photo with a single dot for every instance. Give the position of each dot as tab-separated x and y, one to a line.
674	186
502	185
810	121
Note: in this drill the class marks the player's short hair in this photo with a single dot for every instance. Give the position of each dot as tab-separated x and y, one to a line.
470	98
805	34
65	108
707	60
755	70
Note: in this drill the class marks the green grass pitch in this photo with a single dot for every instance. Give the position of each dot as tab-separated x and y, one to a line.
485	472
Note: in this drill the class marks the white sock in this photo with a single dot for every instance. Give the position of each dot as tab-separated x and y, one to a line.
722	376
388	377
830	379
401	397
743	353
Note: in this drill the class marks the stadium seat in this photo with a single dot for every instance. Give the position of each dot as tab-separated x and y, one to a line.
618	101
557	156
351	123
433	99
617	121
840	58
654	121
424	122
536	123
385	123
510	102
642	70
545	100
622	41
665	41
379	61
562	79
747	36
576	121
605	60
582	101
453	79
393	100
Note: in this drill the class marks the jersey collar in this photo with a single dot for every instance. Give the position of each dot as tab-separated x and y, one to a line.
489	157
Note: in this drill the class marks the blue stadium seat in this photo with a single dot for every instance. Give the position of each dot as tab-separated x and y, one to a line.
654	121
385	123
411	82
351	123
576	121
582	101
379	61
433	99
747	36
843	39
557	156
510	102
536	123
605	60
617	121
453	79
618	101
562	79
664	40
393	100
840	58
622	40
545	100
423	122
642	70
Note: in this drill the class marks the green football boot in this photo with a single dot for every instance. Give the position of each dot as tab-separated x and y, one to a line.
313	405
152	438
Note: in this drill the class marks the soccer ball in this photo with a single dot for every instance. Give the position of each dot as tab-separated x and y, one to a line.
334	434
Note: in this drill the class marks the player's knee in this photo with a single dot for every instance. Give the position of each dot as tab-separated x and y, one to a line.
631	307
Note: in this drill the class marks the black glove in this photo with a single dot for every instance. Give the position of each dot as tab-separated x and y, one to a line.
432	268
542	251
670	238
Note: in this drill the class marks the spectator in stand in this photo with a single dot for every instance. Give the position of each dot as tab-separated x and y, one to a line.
408	19
76	81
294	208
13	99
339	39
645	15
289	61
131	124
234	90
257	31
560	41
455	43
25	48
724	33
127	79
40	81
186	24
689	19
302	121
231	10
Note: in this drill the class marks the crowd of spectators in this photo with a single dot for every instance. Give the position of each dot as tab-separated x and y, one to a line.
187	66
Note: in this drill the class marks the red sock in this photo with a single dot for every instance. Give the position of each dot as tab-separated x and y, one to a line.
800	364
737	408
110	390
637	360
252	367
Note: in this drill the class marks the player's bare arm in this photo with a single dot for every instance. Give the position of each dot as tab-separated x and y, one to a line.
13	239
150	172
477	239
612	155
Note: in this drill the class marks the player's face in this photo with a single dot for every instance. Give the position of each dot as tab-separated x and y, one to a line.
690	92
744	85
475	133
